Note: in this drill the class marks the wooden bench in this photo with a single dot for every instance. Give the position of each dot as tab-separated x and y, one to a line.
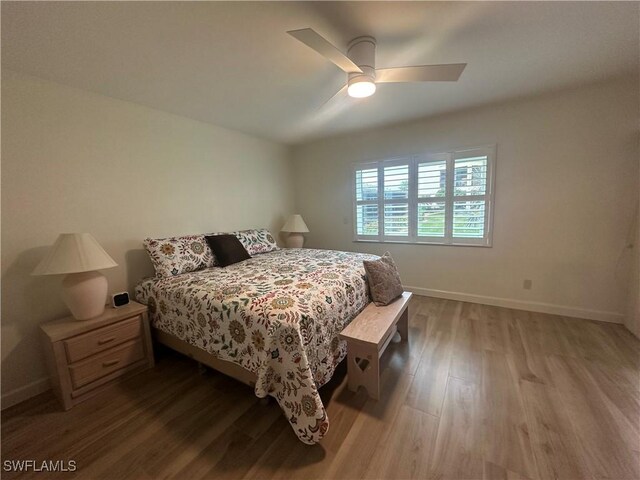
367	337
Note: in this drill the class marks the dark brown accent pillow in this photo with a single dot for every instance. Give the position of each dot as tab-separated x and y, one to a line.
384	280
227	249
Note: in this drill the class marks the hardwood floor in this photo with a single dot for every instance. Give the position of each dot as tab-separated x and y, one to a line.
479	393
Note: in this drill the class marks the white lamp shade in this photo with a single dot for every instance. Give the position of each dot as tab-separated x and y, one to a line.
295	224
74	253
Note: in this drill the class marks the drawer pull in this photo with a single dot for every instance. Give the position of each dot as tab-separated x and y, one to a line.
102	341
110	362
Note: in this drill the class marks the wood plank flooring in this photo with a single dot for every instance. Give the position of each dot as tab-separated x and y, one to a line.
479	392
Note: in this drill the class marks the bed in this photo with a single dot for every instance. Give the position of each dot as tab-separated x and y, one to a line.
271	321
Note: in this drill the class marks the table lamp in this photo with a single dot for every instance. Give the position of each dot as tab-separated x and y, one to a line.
79	255
296	227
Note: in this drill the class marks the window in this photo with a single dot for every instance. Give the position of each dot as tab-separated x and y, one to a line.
444	198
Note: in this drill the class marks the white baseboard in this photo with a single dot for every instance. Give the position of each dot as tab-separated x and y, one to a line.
21	394
563	310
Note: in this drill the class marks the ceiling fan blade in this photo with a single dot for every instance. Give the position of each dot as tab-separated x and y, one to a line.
315	41
421	73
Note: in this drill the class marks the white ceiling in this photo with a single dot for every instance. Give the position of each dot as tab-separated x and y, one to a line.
232	64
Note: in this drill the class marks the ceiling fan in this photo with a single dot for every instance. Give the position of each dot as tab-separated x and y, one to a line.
360	65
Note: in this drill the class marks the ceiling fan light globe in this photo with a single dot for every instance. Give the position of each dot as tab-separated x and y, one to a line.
361	89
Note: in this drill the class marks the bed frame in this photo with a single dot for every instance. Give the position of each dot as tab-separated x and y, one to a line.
228	368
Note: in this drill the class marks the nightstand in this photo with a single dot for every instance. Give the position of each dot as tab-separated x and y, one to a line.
86	356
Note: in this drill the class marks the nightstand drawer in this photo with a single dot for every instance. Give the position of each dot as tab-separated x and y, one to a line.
83	346
106	363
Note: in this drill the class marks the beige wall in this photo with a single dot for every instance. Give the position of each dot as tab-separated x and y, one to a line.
632	318
566	190
77	162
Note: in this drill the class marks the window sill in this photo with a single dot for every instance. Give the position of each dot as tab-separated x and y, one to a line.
404	242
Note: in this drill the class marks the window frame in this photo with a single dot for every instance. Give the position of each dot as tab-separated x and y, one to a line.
413	161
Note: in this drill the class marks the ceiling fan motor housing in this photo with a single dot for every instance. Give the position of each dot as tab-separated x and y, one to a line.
362	52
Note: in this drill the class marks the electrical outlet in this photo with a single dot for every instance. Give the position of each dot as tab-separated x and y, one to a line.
527	284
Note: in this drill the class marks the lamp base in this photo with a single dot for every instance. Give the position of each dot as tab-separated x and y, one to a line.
295	240
85	294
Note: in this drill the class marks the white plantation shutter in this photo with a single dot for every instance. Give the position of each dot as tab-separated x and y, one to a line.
470	197
367	202
396	200
444	198
431	198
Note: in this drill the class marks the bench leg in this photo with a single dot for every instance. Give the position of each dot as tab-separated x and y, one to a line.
359	374
403	325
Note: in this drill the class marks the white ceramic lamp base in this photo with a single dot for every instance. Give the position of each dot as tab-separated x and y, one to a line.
85	294
295	240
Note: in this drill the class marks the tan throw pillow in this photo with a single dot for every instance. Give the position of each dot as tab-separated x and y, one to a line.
384	280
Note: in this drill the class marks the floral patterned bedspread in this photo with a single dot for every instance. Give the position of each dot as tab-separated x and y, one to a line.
277	315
